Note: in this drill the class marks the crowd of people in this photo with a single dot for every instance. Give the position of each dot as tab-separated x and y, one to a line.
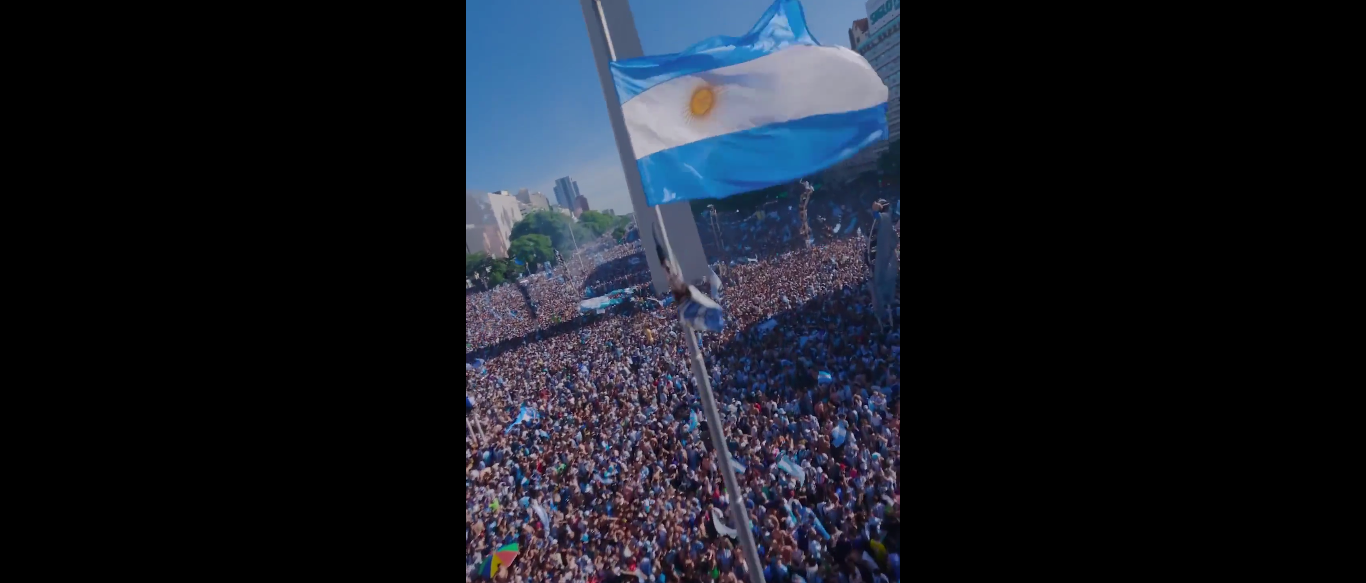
588	447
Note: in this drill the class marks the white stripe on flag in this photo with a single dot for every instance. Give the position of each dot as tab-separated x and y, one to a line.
718	520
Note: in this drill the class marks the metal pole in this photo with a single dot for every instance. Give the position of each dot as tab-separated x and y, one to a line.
737	506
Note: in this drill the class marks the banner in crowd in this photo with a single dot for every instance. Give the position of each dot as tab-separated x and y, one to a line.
605	301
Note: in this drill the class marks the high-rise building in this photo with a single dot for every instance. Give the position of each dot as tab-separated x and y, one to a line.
882	47
581	203
566	191
878	39
489	218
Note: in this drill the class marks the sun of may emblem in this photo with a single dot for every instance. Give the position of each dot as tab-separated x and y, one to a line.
702	102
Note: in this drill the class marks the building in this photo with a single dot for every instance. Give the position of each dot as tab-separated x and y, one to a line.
857	32
581	204
566	191
610	212
489	217
882	47
534	201
878	39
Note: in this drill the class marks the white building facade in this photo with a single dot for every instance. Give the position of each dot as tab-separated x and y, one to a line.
489	218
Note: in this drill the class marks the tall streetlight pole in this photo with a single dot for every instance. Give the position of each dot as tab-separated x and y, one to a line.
690	252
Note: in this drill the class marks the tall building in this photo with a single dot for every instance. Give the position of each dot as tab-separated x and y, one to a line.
533	200
878	39
566	191
489	218
581	203
882	47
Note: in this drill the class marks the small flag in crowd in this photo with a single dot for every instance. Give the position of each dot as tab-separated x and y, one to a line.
824	378
540	513
719	521
692	421
701	312
838	435
527	414
787	465
739	467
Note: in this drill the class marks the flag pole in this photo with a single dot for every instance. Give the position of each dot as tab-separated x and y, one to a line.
737	505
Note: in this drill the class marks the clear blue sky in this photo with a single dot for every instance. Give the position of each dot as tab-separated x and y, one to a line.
534	109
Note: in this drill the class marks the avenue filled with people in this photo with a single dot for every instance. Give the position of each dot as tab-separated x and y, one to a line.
587	444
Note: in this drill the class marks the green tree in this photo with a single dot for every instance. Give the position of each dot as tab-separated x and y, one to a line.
473	261
553	225
533	249
618	233
595	222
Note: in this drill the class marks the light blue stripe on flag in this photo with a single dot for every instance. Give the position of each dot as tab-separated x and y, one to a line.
744	161
783	25
739	467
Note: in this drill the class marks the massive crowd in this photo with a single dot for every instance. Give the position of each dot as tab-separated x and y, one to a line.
583	446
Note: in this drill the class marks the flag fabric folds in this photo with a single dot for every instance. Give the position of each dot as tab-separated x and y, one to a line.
719	521
787	465
527	414
700	312
540	513
734	114
739	467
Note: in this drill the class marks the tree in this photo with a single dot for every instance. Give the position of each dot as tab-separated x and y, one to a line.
532	249
474	261
553	225
595	222
618	233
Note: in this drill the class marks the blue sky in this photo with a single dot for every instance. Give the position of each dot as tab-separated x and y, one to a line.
534	109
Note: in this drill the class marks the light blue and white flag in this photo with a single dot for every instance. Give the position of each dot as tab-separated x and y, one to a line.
734	114
700	312
692	421
838	435
739	467
527	414
718	520
787	465
540	512
824	377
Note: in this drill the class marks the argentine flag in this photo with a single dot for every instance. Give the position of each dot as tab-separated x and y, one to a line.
733	114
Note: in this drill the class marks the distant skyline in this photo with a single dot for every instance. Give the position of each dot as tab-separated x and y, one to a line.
534	109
